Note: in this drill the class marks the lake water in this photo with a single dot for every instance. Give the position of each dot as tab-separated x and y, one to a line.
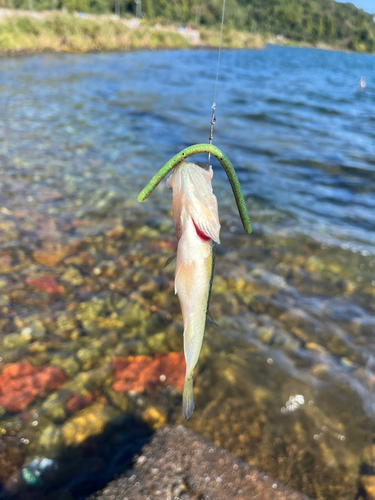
287	381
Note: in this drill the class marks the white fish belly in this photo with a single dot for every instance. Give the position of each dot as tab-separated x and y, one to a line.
192	284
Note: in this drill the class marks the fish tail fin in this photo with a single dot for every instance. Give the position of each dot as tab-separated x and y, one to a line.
188	398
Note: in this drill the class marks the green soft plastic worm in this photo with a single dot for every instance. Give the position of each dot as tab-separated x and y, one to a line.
225	162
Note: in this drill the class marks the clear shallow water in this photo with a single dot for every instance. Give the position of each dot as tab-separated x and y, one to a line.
290	372
296	126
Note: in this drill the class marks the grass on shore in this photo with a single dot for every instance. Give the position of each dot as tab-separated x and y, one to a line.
66	33
232	39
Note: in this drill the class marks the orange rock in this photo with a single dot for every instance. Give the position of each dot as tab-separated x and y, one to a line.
49	257
78	402
140	373
20	383
45	284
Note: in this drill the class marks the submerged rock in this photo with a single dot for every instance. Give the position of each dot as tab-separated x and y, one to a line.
180	464
89	422
13	341
140	373
21	382
73	276
49	257
154	417
50	440
12	455
45	284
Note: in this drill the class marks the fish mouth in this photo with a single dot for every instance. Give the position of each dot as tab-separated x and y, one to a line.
201	234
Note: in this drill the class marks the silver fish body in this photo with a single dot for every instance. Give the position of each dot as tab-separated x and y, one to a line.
196	219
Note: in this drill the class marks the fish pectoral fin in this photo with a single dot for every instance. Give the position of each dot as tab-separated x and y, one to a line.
205	218
169	260
209	318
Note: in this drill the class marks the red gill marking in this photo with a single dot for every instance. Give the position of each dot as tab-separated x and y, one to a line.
201	234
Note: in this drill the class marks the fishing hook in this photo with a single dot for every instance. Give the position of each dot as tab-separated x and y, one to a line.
225	162
213	121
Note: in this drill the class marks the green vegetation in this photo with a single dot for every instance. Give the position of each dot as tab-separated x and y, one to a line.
314	22
311	21
64	32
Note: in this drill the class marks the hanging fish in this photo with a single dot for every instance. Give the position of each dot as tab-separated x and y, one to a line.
197	225
196	220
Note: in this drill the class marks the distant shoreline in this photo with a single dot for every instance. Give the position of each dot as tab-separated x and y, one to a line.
30	33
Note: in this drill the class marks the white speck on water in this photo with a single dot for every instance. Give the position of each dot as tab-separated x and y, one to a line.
26	332
293	403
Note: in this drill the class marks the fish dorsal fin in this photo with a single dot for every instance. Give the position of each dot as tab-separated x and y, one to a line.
169	260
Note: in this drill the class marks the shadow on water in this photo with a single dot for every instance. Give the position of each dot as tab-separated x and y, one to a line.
76	472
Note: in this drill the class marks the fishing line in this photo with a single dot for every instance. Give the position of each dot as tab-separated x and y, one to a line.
206	148
213	117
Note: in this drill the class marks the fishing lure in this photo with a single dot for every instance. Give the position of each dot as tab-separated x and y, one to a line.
225	162
197	226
